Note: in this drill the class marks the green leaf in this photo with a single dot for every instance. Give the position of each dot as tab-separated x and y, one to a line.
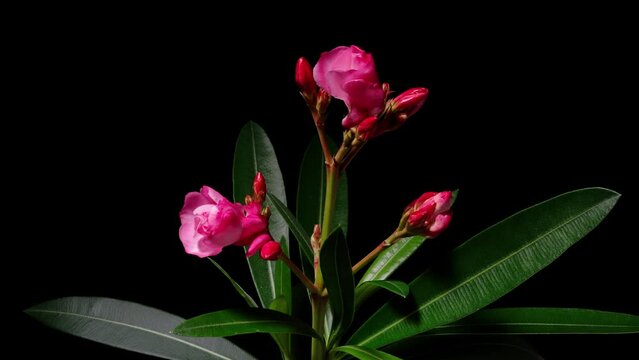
386	264
391	258
283	340
253	153
541	321
488	266
312	187
485	347
243	321
396	287
365	353
240	290
296	228
130	326
338	277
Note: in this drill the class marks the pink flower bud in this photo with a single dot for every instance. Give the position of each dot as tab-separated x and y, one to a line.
304	78
430	214
410	101
259	188
257	244
271	251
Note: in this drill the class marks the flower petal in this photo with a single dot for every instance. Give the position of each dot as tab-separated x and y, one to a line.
257	244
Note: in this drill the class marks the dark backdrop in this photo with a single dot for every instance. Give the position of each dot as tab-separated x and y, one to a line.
118	118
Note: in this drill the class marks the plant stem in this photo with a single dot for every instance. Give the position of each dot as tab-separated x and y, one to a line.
299	273
328	157
398	234
318	307
319	125
332	181
319	300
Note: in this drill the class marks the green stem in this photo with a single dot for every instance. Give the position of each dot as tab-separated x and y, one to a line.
318	347
283	350
332	180
398	234
318	307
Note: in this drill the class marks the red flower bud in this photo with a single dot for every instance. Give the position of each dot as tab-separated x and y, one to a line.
369	128
410	101
304	78
271	251
430	214
259	188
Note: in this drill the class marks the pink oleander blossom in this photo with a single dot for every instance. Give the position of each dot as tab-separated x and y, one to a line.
348	73
209	222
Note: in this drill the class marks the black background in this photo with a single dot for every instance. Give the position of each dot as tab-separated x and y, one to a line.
120	115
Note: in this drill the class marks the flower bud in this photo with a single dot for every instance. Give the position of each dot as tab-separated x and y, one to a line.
430	214
271	251
259	188
323	100
387	89
410	101
304	79
369	128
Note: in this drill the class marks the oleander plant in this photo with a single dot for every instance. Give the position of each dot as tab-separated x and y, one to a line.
325	318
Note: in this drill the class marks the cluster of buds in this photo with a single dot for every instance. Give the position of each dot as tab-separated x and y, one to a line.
430	214
255	233
396	112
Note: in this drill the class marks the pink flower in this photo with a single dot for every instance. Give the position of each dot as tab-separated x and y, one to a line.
430	214
209	222
348	73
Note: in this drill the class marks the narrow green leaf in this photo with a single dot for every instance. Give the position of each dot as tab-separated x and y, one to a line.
296	228
541	321
395	286
338	277
386	264
243	321
485	347
253	153
283	340
365	353
130	326
240	290
488	266
283	274
312	187
390	259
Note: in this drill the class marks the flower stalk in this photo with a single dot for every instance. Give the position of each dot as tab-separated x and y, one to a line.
393	238
299	273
